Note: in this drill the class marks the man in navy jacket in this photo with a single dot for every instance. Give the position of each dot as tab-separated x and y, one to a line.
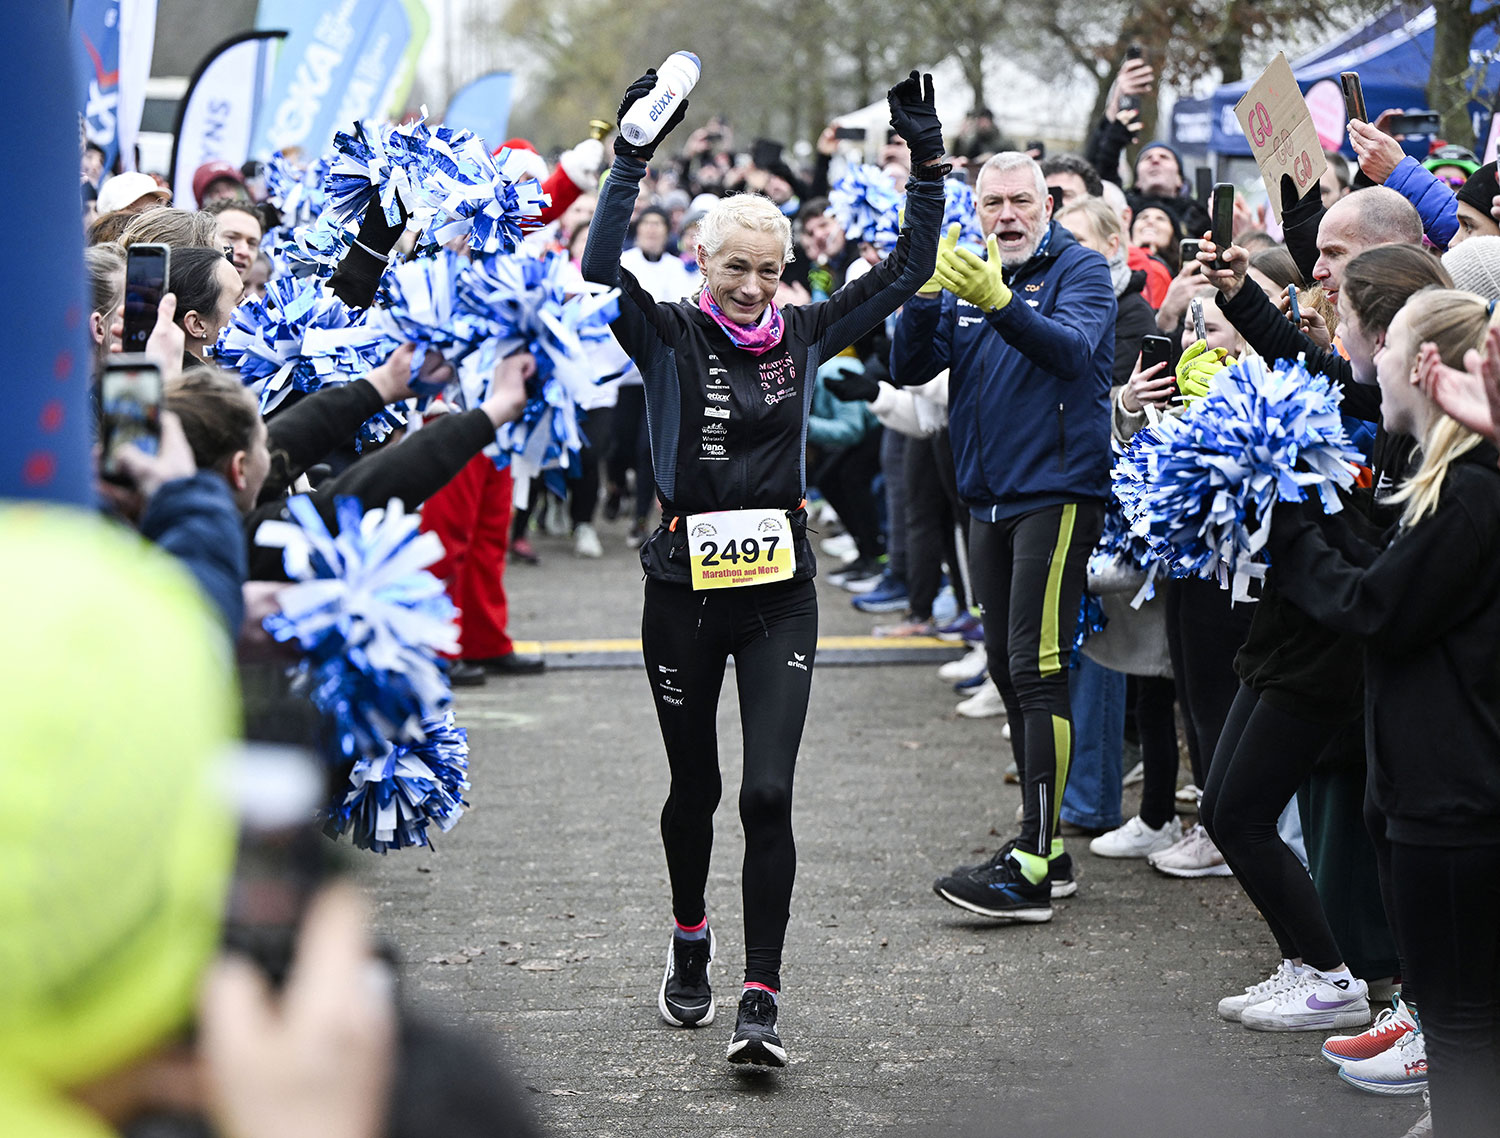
1028	337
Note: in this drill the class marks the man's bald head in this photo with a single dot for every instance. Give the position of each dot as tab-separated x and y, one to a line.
1384	216
1376	216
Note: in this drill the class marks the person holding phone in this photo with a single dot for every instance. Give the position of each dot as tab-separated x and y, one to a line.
1450	214
1424	605
728	379
1159	176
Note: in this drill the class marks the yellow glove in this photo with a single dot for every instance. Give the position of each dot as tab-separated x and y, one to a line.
981	283
946	245
1197	368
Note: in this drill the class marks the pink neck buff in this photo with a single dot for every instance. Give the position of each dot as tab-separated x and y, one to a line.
753	338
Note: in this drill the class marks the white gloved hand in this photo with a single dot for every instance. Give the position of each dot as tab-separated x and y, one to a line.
581	164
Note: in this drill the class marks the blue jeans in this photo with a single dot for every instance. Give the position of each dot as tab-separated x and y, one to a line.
1092	796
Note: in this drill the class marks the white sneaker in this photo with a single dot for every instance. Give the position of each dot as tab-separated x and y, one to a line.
1194	856
1005	731
1398	1070
1317	1002
555	518
1283	979
983	704
586	541
1134	775
1389	1026
1188	795
1136	839
840	546
961	669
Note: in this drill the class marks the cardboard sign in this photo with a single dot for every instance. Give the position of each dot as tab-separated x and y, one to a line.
1279	127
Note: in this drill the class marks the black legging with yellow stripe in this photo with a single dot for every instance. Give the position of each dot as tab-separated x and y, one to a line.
1029	574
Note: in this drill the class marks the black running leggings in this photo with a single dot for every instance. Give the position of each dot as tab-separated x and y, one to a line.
1263	757
1448	908
1029	575
772	632
1155	700
1204	632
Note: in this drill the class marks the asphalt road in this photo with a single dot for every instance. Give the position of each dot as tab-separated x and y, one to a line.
543	919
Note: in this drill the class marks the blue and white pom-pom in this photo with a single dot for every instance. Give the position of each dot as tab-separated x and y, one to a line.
1200	489
264	339
446	181
959	207
372	165
370	619
1120	546
488	200
393	799
527	298
421	306
865	202
296	189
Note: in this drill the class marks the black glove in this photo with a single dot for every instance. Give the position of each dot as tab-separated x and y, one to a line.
633	94
914	118
378	235
852	387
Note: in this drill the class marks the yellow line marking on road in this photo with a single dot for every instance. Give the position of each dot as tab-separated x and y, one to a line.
565	647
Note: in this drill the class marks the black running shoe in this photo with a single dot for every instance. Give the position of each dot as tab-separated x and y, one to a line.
686	999
1059	870
997	890
755	1040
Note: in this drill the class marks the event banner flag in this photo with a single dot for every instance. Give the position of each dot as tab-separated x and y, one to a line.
482	106
95	36
421	24
137	42
217	117
48	352
336	64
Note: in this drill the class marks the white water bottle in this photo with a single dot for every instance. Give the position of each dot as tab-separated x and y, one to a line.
674	79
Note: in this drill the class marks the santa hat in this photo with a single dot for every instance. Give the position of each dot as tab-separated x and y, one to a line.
532	162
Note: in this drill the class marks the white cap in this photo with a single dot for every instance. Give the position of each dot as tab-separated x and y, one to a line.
126	189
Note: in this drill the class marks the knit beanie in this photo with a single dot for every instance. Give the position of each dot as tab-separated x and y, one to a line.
1170	149
1480	190
1474	266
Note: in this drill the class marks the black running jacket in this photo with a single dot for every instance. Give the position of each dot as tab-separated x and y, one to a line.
728	428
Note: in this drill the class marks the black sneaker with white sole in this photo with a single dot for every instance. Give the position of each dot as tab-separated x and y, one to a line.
998	890
1059	870
686	1000
755	1040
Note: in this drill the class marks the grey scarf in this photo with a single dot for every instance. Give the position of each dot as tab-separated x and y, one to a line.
1119	269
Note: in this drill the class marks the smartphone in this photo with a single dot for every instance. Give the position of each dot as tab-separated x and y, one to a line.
1187	251
1293	308
1221	209
130	411
1423	123
277	790
766	153
1354	96
1131	102
1195	313
1056	194
1155	350
145	284
1203	178
850	133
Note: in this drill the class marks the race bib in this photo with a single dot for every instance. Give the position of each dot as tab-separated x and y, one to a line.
732	548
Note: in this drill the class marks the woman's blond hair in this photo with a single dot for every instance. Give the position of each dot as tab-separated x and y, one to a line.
1455	322
1104	221
743	211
